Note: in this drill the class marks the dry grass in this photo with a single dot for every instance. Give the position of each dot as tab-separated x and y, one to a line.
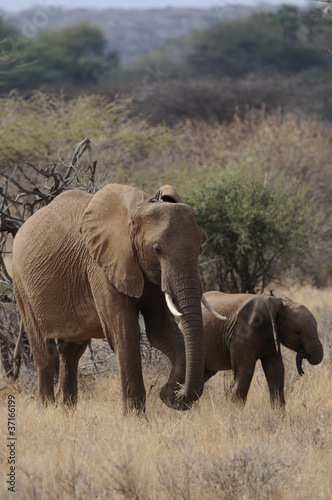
317	300
215	451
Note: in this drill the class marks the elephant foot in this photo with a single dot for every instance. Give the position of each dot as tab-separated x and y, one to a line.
46	402
66	401
174	398
134	407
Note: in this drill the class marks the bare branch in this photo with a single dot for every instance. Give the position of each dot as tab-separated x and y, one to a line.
23	191
85	144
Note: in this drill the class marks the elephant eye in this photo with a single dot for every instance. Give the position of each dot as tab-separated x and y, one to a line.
157	249
298	332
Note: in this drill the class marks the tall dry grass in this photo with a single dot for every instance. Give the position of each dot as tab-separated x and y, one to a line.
214	451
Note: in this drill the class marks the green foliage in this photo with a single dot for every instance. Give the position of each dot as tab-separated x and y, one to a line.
8	47
6	30
286	41
83	39
289	18
253	231
73	55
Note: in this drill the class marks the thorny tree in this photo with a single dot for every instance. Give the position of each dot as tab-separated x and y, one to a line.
23	190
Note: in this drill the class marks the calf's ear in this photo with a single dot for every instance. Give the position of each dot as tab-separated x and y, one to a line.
261	312
167	193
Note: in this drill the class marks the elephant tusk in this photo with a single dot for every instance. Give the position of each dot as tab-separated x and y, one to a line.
210	308
171	306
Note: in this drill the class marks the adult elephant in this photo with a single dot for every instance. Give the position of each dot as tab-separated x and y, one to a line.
86	265
254	329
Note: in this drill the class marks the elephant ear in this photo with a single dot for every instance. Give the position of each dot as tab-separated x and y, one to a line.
106	231
167	193
273	305
262	311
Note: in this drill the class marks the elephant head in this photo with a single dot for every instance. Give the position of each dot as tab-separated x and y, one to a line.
297	329
136	239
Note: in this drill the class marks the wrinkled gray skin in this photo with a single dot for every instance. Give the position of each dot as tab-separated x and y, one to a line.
86	265
247	335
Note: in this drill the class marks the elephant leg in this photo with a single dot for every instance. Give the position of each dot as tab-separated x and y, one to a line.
118	316
70	354
45	360
164	334
242	379
43	350
273	367
128	352
124	337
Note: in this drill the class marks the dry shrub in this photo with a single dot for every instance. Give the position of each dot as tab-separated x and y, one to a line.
130	149
268	143
216	99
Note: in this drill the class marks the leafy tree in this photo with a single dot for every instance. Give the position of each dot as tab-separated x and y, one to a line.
283	41
6	30
253	232
8	46
83	39
76	54
289	18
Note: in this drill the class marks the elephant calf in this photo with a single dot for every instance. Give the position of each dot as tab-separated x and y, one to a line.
254	329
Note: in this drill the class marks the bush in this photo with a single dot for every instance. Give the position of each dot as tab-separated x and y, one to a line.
285	41
253	231
76	55
42	127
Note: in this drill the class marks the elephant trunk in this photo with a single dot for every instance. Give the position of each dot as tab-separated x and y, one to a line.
314	355
186	292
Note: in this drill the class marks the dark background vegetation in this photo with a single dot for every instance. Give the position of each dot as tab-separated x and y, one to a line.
233	106
184	59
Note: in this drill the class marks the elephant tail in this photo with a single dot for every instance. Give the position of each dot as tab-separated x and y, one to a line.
17	353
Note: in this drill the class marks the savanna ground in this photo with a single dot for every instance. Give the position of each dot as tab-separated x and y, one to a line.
213	451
